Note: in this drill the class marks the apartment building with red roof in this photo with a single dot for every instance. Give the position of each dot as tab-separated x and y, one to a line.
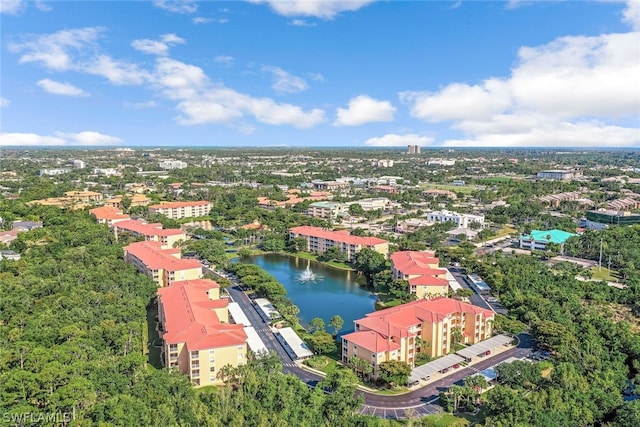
151	232
164	265
198	338
108	215
421	269
177	210
319	240
428	326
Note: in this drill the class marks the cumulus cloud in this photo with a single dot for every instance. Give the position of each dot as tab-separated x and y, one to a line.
141	105
61	88
553	96
225	60
395	140
631	14
157	47
363	109
60	138
56	51
119	73
42	6
323	9
4	102
177	6
11	7
302	23
285	82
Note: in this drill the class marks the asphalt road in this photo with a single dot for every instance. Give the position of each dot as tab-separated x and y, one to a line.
415	403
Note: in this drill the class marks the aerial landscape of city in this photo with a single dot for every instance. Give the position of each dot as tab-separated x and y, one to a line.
320	213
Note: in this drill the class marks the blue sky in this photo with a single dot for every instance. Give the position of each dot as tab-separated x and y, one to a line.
321	73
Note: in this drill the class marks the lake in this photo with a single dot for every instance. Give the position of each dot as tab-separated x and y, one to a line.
333	292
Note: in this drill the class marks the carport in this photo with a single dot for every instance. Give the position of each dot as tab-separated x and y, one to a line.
426	370
483	347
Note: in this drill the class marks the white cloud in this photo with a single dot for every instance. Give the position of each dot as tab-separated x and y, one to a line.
395	140
4	102
177	6
60	138
11	7
571	91
55	51
225	60
117	72
324	9
201	20
631	14
88	138
302	23
285	82
363	109
60	88
141	105
157	47
43	6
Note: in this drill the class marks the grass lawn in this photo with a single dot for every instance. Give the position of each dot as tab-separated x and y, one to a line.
604	274
314	257
152	337
466	189
386	301
447	420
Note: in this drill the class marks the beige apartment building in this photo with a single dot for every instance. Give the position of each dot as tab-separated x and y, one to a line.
84	196
164	265
198	338
421	269
177	210
136	200
319	240
326	210
108	215
429	326
151	232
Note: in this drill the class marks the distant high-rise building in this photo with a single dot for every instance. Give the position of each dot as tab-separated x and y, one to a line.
414	149
79	164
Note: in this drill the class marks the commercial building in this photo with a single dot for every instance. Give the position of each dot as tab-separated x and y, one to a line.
177	210
461	220
108	215
414	149
164	265
79	164
539	239
319	240
599	219
150	232
53	172
198	338
428	326
374	203
326	209
422	271
172	164
559	174
330	185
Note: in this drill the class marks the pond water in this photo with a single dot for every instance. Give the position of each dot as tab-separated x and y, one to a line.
333	291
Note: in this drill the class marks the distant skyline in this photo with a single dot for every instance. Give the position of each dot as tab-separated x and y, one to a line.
358	73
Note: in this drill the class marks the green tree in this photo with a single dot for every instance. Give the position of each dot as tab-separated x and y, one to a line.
336	322
395	372
323	342
369	262
317	324
355	209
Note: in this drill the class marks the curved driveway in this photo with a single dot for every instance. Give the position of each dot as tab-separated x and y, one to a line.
415	403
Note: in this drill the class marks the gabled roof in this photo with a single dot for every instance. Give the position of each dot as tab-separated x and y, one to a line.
428	281
371	341
190	317
416	262
154	229
108	213
155	257
338	236
173	205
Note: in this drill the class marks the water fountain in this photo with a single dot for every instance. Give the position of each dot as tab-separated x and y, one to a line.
307	275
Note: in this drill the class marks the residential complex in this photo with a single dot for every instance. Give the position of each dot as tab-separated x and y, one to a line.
135	199
198	338
177	210
108	215
461	220
422	271
327	209
430	326
559	174
164	265
319	240
150	232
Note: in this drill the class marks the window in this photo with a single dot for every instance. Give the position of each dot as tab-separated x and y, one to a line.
173	347
212	369
195	354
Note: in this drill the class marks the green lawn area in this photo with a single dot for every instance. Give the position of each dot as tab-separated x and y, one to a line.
604	274
314	257
386	301
447	420
466	189
151	337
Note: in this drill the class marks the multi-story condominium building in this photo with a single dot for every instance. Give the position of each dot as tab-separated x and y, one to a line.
624	204
373	203
430	326
136	200
326	209
539	239
151	232
108	215
330	185
198	338
559	174
84	196
422	271
410	225
414	149
172	164
319	240
461	220
79	164
163	265
177	210
53	172
554	200
105	171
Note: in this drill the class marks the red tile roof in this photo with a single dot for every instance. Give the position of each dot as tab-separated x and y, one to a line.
416	262
189	317
338	236
426	280
154	229
371	341
173	205
155	257
108	212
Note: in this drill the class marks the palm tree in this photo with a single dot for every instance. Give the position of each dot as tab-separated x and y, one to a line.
457	392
